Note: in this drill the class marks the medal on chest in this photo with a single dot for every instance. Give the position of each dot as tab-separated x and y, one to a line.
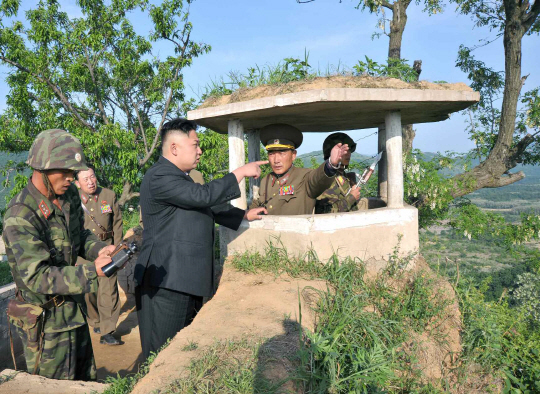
286	190
105	208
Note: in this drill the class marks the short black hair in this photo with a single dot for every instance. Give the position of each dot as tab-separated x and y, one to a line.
181	125
90	167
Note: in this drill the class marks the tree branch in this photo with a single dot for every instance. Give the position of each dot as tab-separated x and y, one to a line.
96	90
63	99
528	20
143	133
168	103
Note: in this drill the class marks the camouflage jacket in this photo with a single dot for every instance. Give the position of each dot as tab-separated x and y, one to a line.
335	198
40	272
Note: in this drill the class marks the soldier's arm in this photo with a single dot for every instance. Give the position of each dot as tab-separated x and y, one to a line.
318	180
117	222
32	255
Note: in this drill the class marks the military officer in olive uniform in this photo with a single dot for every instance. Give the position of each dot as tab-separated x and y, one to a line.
343	195
44	233
102	216
289	190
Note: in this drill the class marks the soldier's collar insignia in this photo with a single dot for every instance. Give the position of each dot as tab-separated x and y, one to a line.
84	198
95	197
44	208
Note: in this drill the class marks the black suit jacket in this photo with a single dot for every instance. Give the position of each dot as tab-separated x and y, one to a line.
178	238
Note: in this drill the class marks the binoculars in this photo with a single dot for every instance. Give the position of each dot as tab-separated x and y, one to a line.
120	257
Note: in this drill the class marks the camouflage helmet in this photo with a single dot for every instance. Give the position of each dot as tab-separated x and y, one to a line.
334	139
56	150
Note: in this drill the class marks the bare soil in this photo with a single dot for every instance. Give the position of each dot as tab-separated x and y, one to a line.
367	82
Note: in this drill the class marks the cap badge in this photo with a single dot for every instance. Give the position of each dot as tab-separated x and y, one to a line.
78	157
276	142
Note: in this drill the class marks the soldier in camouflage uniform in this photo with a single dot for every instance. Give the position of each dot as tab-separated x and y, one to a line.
343	195
44	233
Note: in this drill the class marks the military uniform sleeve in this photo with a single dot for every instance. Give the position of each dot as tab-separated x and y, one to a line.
31	256
117	222
317	181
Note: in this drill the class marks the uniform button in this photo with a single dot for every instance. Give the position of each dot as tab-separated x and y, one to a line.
274	194
94	230
270	207
92	209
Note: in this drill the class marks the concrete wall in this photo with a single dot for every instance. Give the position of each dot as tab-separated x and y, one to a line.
371	234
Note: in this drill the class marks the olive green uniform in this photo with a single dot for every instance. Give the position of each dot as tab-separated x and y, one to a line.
103	306
42	251
293	193
335	199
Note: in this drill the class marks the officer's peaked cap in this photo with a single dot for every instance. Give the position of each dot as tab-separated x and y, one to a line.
281	136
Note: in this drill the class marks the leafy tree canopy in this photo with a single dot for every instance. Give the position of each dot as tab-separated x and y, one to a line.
96	76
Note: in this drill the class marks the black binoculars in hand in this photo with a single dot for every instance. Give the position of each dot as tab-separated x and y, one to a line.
120	257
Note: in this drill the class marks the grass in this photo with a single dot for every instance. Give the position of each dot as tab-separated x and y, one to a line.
126	384
228	367
357	344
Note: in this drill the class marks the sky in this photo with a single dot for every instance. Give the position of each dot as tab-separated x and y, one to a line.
244	33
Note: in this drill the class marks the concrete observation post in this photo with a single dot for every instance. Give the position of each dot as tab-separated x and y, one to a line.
370	234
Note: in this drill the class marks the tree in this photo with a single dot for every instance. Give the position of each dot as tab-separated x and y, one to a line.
96	77
504	136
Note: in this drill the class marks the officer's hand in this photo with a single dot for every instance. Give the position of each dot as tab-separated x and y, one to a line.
107	250
252	169
255	214
338	151
355	191
102	260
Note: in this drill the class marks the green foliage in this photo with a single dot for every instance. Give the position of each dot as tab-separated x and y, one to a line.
288	70
499	337
5	273
527	296
361	326
214	163
96	77
394	68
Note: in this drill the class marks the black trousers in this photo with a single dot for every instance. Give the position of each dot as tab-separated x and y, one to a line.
162	313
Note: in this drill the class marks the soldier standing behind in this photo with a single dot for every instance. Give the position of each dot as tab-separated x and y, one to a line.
338	198
102	216
44	233
289	190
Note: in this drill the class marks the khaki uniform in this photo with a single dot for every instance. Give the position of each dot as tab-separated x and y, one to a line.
104	306
293	193
335	199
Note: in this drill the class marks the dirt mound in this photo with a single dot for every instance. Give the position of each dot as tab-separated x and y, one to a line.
367	82
22	382
245	306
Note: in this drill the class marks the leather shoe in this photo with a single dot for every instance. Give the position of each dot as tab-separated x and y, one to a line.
97	330
108	339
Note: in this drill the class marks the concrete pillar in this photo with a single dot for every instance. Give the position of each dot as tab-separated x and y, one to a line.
254	154
237	157
382	168
394	157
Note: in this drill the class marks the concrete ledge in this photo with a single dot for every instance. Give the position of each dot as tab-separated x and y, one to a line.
371	234
358	108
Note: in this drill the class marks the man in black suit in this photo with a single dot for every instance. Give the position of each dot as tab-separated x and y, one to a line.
175	268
